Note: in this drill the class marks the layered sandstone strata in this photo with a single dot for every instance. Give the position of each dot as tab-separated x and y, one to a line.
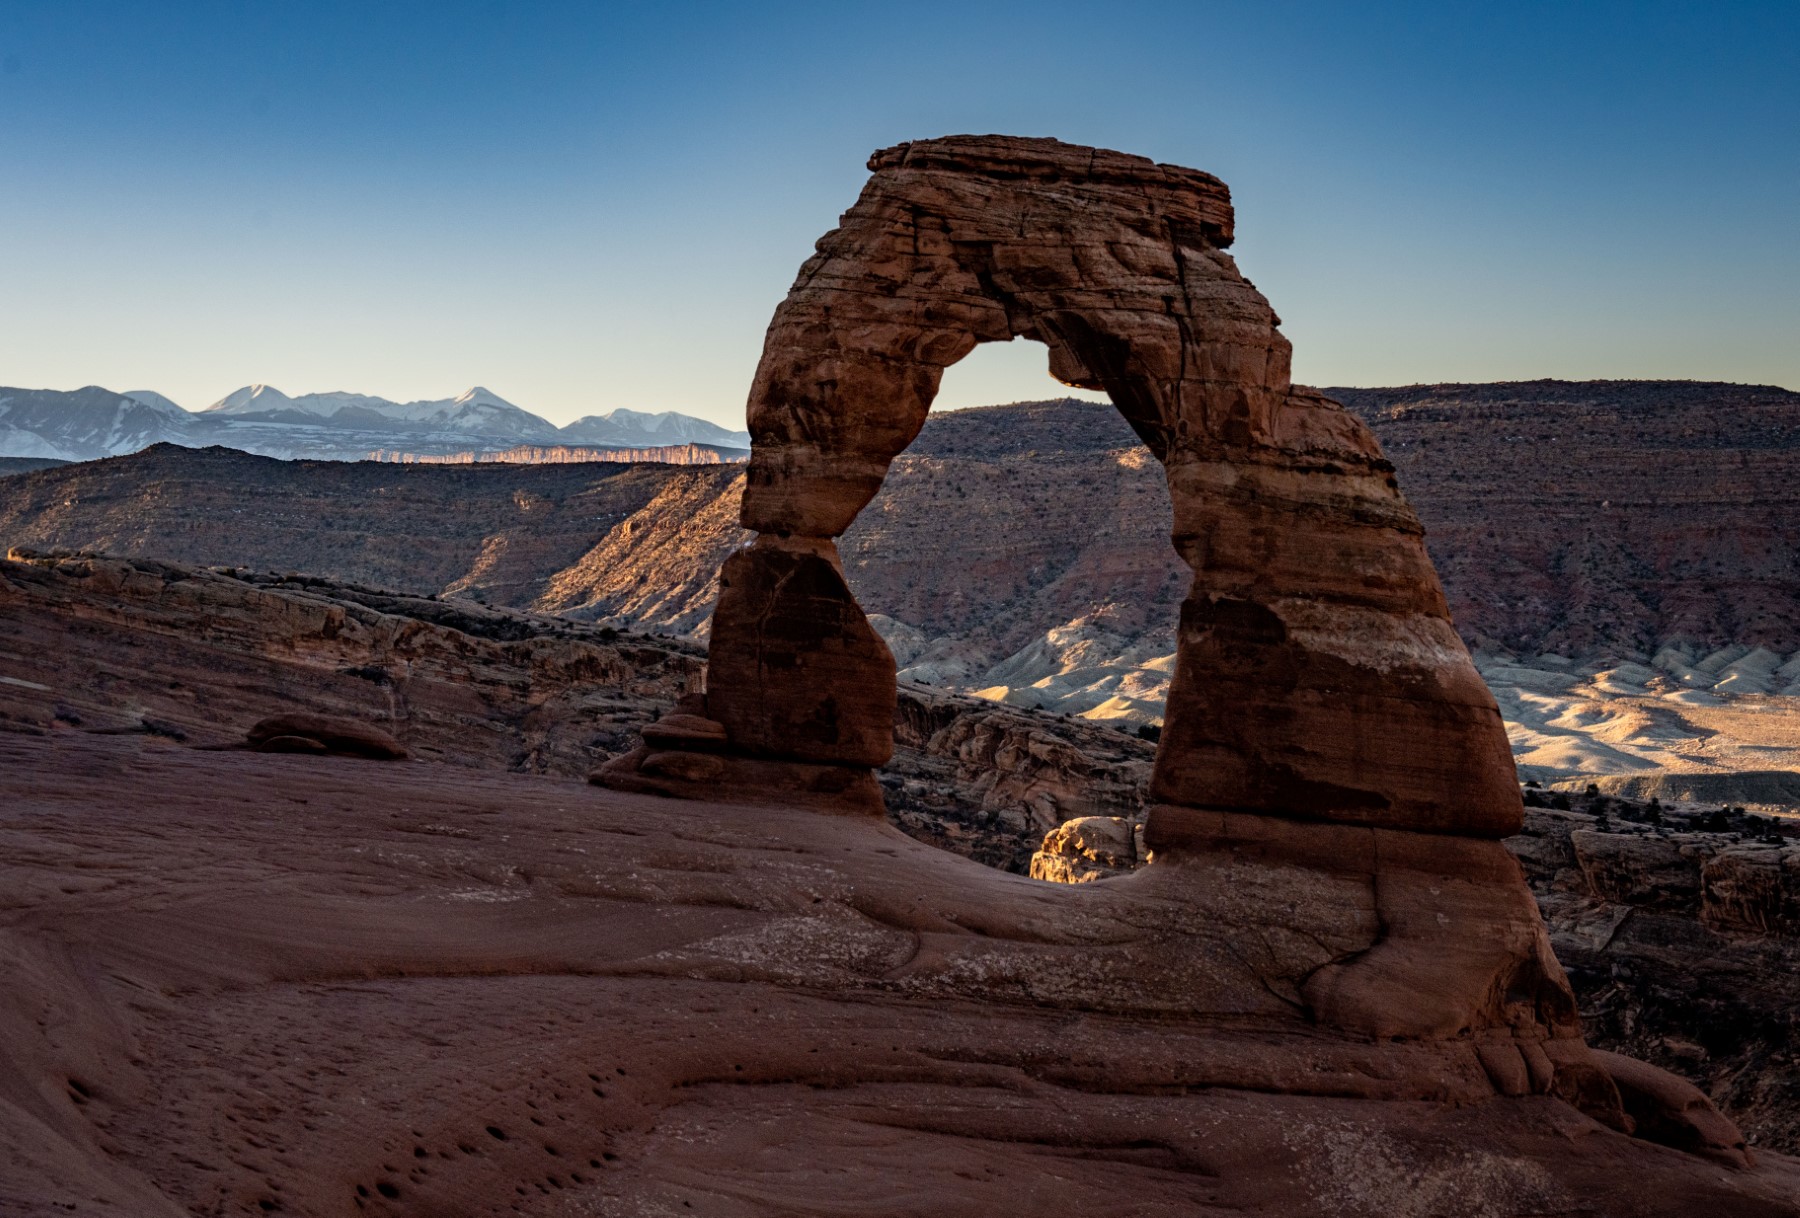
1605	516
1595	520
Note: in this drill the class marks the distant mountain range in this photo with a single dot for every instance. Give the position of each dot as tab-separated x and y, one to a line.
85	424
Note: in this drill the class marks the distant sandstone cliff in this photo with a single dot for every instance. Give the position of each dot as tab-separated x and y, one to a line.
1619	515
565	454
496	533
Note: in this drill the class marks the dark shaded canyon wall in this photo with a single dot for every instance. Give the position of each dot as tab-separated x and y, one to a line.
1604	515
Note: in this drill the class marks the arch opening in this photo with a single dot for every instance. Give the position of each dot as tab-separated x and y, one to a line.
1067	578
1033	637
998	373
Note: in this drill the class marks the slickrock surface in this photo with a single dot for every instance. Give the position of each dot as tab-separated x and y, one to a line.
101	644
241	983
308	733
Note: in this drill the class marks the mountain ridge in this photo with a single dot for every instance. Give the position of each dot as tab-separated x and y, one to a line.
93	422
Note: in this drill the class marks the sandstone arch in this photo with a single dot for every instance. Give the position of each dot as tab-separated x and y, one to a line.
1332	773
1318	676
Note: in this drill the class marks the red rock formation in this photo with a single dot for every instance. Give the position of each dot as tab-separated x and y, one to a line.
1318	674
1332	774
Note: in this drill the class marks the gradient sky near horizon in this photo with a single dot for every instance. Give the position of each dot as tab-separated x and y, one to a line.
589	206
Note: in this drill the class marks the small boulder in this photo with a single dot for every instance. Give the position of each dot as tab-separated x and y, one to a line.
1084	849
305	733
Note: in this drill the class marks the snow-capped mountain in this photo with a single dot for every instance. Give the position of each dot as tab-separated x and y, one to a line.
89	423
639	429
477	411
85	423
252	399
150	397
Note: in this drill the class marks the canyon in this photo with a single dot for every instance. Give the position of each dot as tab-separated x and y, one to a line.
1667	515
1020	552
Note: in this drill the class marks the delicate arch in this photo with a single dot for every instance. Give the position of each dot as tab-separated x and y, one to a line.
1317	673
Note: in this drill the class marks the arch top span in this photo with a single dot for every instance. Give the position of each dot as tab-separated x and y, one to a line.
1184	195
1114	262
1318	676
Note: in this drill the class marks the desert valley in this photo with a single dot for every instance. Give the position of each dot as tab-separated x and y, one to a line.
1634	603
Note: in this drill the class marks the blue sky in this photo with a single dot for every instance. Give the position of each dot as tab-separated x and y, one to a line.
586	206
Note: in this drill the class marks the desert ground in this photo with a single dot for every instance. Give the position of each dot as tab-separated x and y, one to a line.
254	983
